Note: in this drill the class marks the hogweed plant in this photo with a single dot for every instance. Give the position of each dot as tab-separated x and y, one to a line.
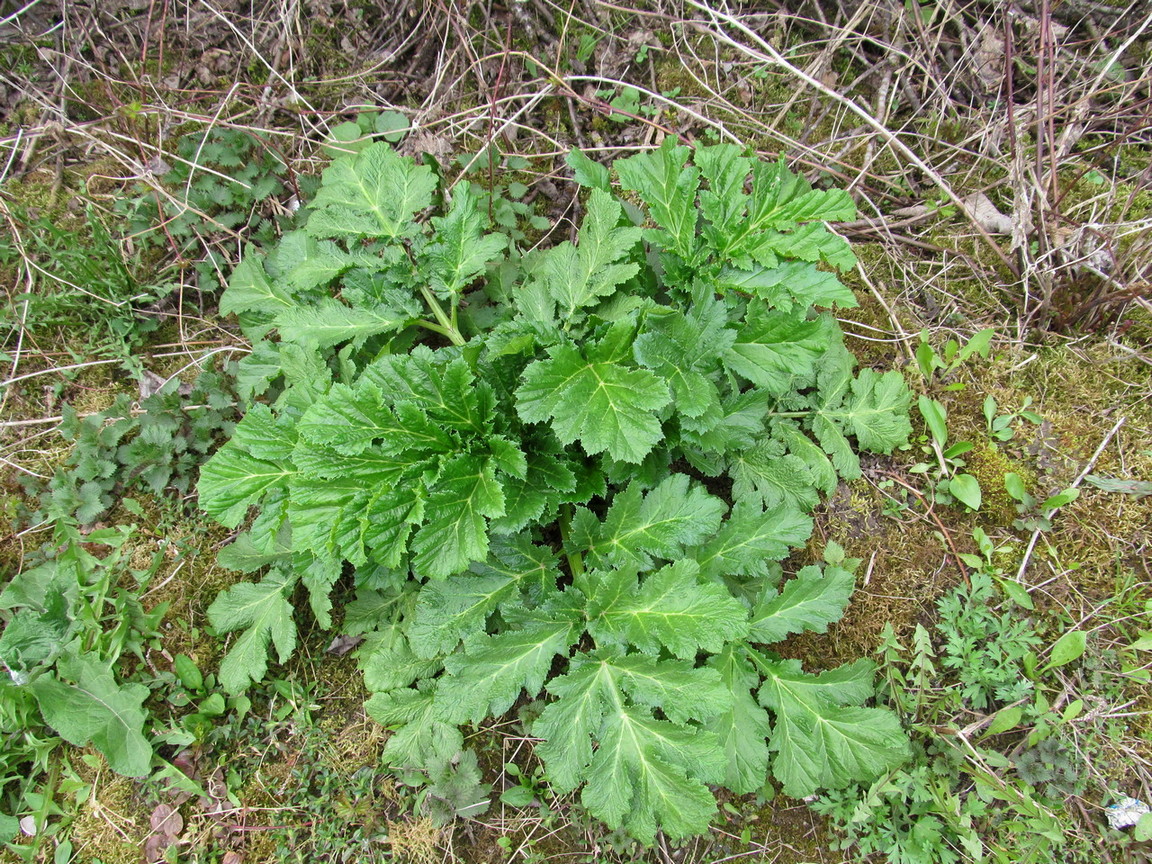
566	475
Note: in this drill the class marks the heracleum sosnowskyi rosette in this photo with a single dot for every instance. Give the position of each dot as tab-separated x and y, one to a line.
565	475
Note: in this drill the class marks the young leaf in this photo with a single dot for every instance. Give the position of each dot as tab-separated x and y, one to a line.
594	399
966	489
461	250
1069	647
782	199
266	616
668	187
578	276
684	350
872	407
546	482
250	290
388	661
588	173
422	737
442	385
810	601
723	203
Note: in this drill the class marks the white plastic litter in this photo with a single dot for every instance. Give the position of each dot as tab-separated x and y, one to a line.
1126	812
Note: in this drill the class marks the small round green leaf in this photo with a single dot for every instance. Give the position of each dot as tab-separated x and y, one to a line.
966	489
1143	829
1068	647
392	125
344	139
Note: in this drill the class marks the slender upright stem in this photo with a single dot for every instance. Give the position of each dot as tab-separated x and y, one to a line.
575	559
448	324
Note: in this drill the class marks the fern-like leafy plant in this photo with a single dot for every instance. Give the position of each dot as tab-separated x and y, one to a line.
567	475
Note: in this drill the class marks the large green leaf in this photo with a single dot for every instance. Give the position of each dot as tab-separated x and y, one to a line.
743	726
810	601
811	242
233	480
329	322
765	475
645	773
750	538
456	531
670	609
774	350
820	740
373	194
349	419
659	522
96	709
448	611
788	285
486	680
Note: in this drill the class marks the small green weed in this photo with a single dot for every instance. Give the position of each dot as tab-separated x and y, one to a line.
225	183
155	448
995	760
77	641
67	622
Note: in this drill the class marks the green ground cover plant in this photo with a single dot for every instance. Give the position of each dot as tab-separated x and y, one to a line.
151	447
76	628
996	784
564	476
